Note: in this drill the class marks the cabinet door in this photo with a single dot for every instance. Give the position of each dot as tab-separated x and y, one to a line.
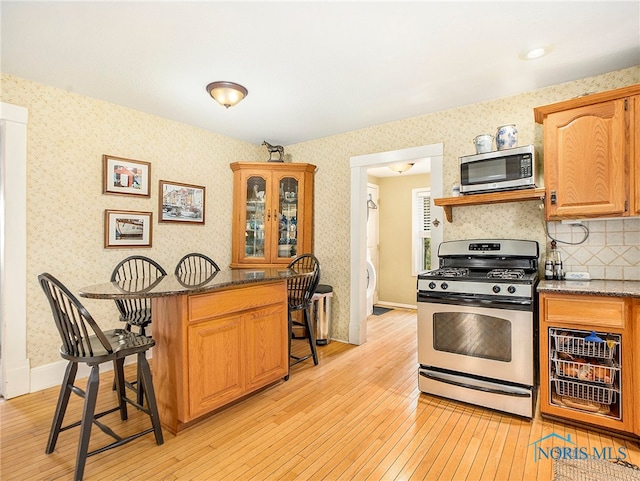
635	368
635	155
216	370
289	190
267	347
254	222
585	161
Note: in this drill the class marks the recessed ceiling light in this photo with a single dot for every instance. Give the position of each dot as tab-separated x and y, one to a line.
535	53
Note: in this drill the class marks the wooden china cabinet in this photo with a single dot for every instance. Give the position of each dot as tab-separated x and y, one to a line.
592	155
272	213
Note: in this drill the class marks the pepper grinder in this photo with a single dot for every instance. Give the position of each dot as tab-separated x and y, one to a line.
548	264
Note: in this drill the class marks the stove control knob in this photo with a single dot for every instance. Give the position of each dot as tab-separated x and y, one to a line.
432	285
496	289
444	286
511	289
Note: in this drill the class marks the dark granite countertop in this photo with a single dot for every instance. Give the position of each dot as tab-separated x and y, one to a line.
593	287
172	285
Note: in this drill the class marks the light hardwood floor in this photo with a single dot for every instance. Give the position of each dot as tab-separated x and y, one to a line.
356	416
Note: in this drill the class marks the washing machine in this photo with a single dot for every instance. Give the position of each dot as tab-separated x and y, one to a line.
371	284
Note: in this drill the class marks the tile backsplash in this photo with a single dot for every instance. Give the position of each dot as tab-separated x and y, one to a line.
611	250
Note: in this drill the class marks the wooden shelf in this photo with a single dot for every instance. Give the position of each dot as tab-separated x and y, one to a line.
447	203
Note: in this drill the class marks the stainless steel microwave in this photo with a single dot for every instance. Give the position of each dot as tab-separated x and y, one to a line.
507	169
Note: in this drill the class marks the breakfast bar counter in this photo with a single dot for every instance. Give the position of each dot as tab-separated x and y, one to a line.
218	339
194	283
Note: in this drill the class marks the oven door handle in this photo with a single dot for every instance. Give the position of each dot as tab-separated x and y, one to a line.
503	392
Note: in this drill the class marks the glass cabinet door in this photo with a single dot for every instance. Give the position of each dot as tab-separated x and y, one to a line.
255	217
287	217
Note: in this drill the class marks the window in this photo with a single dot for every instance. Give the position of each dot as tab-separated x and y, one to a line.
421	230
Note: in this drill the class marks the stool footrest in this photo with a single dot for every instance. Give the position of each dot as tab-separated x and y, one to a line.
119	441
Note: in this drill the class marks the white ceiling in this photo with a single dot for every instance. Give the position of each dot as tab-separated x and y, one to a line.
313	69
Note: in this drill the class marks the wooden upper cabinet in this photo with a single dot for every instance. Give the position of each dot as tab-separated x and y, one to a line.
588	152
272	213
635	157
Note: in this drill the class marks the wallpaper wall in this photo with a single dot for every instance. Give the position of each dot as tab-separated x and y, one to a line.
69	133
66	138
456	128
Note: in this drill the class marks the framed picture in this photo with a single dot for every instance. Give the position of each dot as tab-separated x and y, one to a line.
181	202
123	228
125	176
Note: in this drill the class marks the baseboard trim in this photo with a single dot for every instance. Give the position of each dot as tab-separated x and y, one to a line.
50	375
395	304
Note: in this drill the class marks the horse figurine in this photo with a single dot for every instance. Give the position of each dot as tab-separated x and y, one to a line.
274	149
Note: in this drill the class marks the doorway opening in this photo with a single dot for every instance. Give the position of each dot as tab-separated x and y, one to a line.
14	364
358	270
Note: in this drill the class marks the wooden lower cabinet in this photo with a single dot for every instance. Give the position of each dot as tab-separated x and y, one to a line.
592	383
215	348
635	319
216	367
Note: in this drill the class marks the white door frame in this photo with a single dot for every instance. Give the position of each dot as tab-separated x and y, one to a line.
373	235
15	369
359	166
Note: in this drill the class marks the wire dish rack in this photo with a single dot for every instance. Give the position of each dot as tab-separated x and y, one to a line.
584	374
586	369
588	392
574	343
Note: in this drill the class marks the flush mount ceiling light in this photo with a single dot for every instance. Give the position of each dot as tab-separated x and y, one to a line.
400	168
227	93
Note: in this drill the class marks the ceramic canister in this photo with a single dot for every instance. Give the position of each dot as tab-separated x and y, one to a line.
506	137
483	143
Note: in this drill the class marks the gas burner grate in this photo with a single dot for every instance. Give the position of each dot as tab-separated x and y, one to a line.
506	274
451	272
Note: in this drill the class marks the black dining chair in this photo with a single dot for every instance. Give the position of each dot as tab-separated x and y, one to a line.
84	342
300	290
136	312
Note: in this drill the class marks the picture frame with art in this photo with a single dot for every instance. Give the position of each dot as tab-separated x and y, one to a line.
178	202
125	228
125	176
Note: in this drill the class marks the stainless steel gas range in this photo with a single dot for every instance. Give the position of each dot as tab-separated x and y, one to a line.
477	323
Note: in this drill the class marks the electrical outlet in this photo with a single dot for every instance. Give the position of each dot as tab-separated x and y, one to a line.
577	276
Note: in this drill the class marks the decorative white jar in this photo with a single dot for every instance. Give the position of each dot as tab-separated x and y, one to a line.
483	143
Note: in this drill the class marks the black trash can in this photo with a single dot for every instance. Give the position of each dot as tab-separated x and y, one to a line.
321	313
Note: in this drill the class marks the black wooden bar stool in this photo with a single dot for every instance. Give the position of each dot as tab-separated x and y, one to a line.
196	269
136	311
84	342
300	290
